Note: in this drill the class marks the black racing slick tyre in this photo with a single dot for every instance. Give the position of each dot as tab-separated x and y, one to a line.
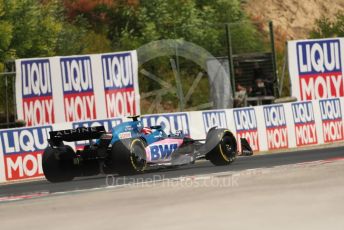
223	147
57	164
129	156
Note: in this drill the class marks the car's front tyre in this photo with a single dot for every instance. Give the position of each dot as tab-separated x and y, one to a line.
222	147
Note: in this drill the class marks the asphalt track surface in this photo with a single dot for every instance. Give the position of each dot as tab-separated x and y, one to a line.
200	168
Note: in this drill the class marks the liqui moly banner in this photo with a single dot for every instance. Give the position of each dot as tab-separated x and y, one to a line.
246	126
304	121
120	84
316	68
171	122
276	127
22	151
214	118
77	88
35	102
332	119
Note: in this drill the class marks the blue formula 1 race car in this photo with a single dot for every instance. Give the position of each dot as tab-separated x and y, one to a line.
131	148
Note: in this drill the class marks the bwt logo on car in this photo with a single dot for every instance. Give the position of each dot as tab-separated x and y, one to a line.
305	129
23	151
79	100
107	123
37	92
214	118
276	127
246	126
170	122
332	122
161	152
119	84
320	70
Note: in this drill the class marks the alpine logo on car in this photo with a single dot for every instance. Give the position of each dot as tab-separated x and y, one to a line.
118	75
276	126
320	70
37	92
107	123
246	126
332	122
76	131
78	90
214	118
22	149
305	129
170	122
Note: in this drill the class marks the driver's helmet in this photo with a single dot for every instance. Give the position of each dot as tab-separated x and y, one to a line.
146	130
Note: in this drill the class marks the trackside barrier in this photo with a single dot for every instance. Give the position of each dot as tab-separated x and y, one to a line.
269	127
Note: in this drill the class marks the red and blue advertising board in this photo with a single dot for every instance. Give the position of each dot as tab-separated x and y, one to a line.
36	92
315	68
276	127
305	127
246	126
119	84
216	118
22	150
332	119
170	122
78	89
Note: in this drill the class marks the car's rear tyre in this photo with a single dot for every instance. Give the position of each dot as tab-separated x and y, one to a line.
57	164
129	156
224	152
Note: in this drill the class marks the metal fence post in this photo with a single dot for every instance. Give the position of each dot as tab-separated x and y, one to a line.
273	56
6	99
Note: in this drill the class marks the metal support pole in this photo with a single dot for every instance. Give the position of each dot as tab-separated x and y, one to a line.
14	98
273	52
6	99
285	63
230	59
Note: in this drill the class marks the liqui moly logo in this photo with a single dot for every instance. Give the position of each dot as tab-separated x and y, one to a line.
78	90
246	126
214	119
320	70
170	122
332	122
37	92
305	129
23	149
118	75
276	127
107	123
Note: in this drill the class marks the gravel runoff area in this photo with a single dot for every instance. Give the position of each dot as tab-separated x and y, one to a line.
301	196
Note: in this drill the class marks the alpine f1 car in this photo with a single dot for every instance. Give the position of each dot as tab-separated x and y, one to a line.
131	148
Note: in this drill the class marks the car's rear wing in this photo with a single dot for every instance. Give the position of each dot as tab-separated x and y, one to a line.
78	134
